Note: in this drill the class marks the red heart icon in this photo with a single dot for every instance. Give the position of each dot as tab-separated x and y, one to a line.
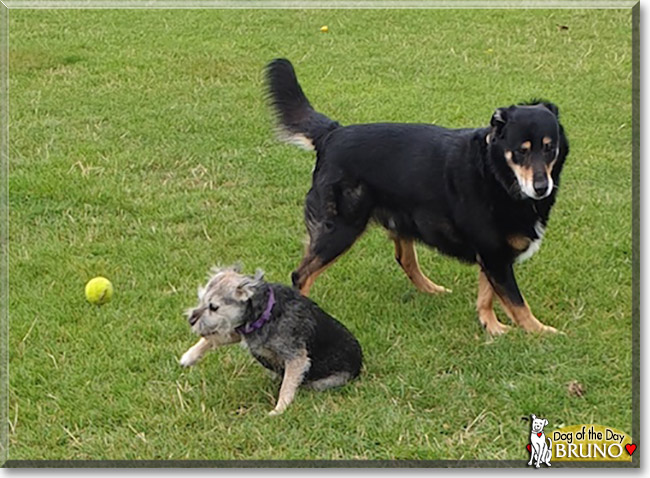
539	434
528	447
630	447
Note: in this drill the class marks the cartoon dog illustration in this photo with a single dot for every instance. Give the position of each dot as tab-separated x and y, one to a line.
538	445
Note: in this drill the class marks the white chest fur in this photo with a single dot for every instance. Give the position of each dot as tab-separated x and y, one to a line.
534	245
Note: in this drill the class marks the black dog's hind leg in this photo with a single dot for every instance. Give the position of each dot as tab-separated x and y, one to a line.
502	278
407	258
323	250
334	224
310	268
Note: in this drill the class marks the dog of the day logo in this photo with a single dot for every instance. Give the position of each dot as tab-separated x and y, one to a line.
540	447
584	442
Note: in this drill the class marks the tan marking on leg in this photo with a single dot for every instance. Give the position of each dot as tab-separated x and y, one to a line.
522	316
519	243
484	302
407	258
294	371
311	278
310	269
304	290
198	350
308	266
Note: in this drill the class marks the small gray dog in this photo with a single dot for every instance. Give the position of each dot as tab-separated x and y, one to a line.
286	332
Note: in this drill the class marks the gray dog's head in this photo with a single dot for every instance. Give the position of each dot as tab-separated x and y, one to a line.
223	301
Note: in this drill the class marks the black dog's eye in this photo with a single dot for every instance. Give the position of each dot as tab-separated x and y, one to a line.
547	147
518	156
213	307
523	151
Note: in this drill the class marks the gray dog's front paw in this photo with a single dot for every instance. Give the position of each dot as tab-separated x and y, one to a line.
188	359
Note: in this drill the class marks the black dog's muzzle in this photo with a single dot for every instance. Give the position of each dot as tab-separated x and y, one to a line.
540	185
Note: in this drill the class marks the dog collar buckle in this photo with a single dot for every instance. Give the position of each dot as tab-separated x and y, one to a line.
264	318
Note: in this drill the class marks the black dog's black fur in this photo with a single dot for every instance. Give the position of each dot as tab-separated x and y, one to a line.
451	189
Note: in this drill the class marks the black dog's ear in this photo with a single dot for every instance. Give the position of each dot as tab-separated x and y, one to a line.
552	108
499	119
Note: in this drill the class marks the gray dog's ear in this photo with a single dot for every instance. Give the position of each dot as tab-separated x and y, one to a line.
237	267
245	289
259	274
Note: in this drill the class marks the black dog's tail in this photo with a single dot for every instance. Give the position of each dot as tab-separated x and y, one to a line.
298	123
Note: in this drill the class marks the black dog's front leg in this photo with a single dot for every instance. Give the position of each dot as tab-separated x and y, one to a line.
502	278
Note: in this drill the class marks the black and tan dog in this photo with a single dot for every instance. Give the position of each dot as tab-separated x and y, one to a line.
482	195
286	332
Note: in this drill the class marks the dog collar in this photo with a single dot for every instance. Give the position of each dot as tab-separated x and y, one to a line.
264	318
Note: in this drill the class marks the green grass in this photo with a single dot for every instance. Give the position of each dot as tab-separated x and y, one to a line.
141	149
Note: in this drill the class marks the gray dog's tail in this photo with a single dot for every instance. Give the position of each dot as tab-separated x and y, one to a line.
298	122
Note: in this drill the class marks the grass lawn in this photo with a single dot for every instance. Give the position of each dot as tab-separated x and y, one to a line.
141	149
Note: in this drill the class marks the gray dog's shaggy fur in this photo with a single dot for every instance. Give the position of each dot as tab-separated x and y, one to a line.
300	341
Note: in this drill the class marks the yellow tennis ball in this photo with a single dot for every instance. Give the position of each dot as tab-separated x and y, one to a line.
99	290
324	29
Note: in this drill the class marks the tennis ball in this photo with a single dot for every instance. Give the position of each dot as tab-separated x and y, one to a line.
99	290
324	29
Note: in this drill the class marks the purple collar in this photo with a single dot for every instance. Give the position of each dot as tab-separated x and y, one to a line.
264	318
